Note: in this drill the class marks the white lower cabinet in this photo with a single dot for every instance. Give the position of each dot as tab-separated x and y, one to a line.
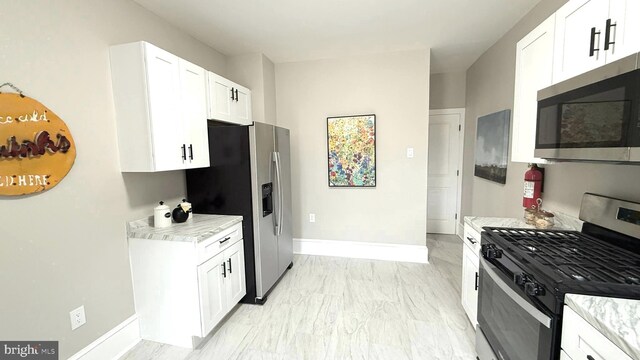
236	286
221	281
580	340
470	273
182	289
213	305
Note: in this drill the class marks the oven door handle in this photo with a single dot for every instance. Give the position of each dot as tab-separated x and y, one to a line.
526	306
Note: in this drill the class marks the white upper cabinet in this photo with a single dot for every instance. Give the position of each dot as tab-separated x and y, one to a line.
219	96
228	101
163	87
534	68
194	100
242	109
591	33
579	37
624	28
160	103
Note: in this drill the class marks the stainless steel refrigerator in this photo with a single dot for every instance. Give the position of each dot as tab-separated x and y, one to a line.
250	175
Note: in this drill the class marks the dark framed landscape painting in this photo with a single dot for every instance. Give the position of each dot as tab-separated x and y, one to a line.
492	146
351	145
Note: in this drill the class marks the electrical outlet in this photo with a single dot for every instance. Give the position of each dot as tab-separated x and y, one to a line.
312	218
77	317
409	153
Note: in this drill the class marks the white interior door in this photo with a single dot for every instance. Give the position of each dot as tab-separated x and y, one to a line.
443	171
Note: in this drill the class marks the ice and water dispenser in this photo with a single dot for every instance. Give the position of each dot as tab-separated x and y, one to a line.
267	199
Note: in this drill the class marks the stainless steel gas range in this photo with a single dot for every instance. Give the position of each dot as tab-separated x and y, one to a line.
525	274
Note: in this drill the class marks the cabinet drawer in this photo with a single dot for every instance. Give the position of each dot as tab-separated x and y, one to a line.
472	239
580	340
218	243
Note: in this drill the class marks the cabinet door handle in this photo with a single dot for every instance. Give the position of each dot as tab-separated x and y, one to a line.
607	35
471	240
589	357
184	152
592	46
230	271
224	269
236	95
477	277
225	240
191	151
232	97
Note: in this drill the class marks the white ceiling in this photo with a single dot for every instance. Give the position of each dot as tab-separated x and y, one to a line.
457	31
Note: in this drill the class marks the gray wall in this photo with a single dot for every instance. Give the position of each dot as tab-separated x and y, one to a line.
67	247
490	83
256	72
447	90
309	92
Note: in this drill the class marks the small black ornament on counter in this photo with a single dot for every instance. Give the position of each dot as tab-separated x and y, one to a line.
179	215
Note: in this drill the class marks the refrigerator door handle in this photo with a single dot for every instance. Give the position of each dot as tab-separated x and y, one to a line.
277	202
281	197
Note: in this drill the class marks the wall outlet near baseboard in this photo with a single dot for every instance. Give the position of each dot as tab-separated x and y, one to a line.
312	218
77	317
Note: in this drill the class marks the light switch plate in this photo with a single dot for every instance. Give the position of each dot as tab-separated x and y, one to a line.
409	153
312	218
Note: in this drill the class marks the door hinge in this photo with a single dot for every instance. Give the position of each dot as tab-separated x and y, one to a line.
459	127
456	216
457	172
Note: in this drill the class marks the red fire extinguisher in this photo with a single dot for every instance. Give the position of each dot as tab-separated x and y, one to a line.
532	187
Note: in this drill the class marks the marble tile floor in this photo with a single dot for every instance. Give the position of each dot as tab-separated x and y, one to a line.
339	308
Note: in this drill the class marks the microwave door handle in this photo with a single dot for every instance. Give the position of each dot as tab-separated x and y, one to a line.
524	305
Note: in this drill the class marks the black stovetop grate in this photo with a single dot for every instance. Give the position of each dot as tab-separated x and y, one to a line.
574	255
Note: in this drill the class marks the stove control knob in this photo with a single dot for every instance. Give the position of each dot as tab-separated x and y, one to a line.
533	289
493	253
520	279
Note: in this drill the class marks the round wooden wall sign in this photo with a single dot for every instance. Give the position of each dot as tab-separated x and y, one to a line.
36	147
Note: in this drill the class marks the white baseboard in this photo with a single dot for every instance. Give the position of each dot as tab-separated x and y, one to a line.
114	343
460	230
362	250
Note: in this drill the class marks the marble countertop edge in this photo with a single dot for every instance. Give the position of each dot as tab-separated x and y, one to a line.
199	228
612	317
562	222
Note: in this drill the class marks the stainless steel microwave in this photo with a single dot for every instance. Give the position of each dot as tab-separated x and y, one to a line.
592	117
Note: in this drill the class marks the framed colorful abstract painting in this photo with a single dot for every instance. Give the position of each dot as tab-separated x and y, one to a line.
351	142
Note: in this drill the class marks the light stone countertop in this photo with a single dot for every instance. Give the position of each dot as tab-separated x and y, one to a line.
562	222
617	319
199	228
